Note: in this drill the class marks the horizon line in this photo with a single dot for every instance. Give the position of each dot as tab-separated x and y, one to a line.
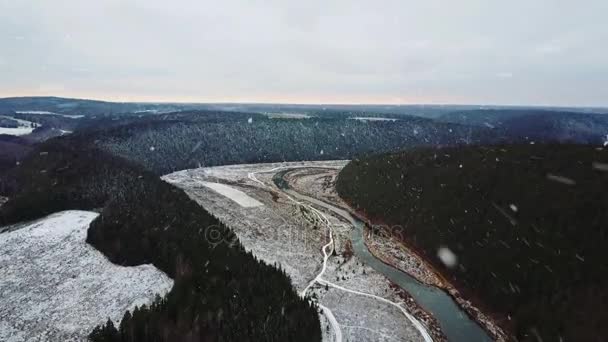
224	102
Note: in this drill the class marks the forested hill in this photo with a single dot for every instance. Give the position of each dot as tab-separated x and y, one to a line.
528	224
221	292
190	141
539	124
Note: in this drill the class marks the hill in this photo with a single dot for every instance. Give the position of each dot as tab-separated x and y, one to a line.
528	225
180	141
221	292
539	125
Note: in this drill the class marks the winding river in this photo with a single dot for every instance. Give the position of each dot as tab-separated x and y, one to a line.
454	322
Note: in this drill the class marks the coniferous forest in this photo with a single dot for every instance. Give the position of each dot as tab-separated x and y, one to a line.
221	292
527	224
542	272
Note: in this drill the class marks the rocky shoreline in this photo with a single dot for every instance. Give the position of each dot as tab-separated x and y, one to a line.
426	318
436	280
395	254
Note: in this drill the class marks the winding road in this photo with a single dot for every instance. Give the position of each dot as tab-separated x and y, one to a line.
318	279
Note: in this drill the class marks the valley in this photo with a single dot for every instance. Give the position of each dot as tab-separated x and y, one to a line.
323	250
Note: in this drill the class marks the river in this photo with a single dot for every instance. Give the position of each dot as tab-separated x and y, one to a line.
454	322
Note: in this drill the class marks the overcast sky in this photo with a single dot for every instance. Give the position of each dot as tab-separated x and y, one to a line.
402	51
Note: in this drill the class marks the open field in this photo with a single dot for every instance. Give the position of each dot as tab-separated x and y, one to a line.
293	236
70	286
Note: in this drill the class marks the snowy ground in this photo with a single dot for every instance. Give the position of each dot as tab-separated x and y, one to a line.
292	236
42	112
238	196
25	127
56	287
320	183
362	118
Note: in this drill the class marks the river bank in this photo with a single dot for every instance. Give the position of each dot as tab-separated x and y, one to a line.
386	255
280	232
379	240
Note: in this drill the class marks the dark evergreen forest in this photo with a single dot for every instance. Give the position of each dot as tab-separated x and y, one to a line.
221	292
528	224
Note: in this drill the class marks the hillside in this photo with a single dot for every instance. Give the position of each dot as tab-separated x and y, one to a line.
221	292
181	142
527	223
540	125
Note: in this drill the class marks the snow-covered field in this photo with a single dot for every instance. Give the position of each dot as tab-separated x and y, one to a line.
238	196
56	287
292	236
25	127
364	118
16	131
43	112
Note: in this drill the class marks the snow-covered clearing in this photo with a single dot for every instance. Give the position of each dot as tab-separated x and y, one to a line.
25	127
43	112
238	196
300	238
16	131
371	118
56	287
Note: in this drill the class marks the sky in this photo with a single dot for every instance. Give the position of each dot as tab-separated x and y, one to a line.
518	52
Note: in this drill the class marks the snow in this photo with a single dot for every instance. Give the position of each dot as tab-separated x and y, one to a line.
447	257
237	196
364	118
25	127
43	112
287	116
56	287
16	131
292	235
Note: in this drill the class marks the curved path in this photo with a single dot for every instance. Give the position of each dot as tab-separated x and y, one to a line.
318	279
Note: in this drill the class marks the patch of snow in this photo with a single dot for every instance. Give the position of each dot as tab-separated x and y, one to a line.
365	118
237	196
287	115
43	112
16	131
25	127
56	287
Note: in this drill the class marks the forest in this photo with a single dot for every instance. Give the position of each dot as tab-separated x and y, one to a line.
538	124
182	141
527	223
221	292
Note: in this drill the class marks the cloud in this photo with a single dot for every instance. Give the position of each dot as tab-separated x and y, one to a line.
313	51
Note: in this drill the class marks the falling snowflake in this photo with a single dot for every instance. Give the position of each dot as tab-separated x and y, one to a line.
513	207
606	141
152	148
250	120
447	257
